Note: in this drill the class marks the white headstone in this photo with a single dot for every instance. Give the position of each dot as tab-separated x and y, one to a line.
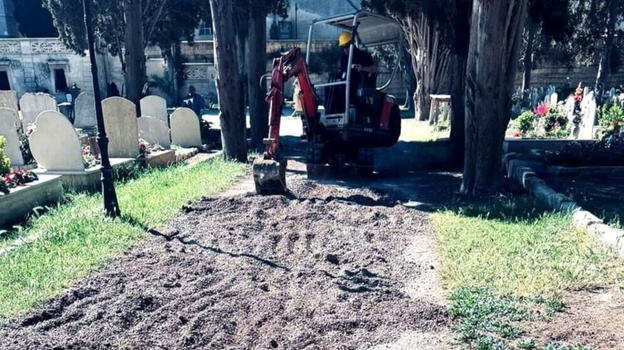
84	110
588	116
554	99
55	144
33	104
8	129
154	106
121	127
8	99
185	129
154	131
570	103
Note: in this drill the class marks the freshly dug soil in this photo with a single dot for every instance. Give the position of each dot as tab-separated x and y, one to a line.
594	318
324	268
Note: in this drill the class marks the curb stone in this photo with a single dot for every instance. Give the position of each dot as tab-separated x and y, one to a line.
524	173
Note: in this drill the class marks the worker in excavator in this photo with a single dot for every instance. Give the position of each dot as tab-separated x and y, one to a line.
363	73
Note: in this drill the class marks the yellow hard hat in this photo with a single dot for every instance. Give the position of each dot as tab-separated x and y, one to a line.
344	39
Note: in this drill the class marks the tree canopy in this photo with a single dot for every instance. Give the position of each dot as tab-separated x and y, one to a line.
34	21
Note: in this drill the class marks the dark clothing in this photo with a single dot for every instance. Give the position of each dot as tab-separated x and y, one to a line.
359	79
195	102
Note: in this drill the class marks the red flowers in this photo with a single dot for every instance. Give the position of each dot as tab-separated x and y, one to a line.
18	178
541	110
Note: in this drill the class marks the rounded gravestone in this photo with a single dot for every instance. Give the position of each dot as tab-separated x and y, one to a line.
185	129
31	105
154	131
84	110
121	127
154	106
8	128
55	144
8	99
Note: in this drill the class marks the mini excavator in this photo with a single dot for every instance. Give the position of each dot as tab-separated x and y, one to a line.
337	138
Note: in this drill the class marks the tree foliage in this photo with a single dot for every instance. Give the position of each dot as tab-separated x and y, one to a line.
164	21
33	20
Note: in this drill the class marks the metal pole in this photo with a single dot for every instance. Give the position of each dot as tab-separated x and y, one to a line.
111	206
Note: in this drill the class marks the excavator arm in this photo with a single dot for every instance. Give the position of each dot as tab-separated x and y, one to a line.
289	65
269	170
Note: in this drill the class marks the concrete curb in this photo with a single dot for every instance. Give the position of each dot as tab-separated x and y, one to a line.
524	172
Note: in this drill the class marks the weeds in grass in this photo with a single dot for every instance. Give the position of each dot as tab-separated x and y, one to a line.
489	321
507	261
515	246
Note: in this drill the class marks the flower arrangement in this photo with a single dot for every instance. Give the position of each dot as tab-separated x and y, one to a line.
544	121
16	178
145	148
5	162
89	159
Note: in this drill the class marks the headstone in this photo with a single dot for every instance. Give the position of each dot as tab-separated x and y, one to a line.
121	127
570	103
154	106
8	129
84	111
55	144
185	128
553	99
588	116
154	131
8	99
33	104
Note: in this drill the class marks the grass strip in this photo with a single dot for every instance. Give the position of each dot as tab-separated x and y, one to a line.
508	260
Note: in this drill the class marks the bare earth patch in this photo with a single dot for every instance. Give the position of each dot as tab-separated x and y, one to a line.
326	268
592	318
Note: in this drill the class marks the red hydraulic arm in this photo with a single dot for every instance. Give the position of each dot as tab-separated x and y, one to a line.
289	65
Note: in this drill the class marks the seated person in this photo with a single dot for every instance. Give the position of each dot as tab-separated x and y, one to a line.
363	73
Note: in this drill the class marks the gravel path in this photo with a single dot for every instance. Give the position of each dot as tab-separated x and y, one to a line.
326	268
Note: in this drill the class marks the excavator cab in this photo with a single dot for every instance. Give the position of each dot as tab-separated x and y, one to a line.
339	139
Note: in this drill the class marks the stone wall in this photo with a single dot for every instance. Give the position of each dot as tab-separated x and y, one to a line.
563	76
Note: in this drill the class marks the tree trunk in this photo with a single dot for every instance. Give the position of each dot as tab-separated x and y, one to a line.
232	115
135	52
528	56
605	67
430	59
495	35
256	67
458	118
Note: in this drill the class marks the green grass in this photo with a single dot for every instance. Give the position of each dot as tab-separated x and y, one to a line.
513	246
508	260
78	238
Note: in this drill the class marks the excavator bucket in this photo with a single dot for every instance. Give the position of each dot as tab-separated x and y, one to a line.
269	176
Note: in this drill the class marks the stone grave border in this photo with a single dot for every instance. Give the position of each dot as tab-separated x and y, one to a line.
526	173
20	201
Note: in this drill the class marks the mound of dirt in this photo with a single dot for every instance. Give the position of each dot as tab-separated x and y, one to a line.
322	269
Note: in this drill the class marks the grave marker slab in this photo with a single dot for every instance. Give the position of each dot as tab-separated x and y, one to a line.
588	116
185	129
55	144
84	111
155	106
8	99
121	127
8	129
154	131
33	104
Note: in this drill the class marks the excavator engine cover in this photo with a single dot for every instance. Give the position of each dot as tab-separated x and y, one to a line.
269	176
